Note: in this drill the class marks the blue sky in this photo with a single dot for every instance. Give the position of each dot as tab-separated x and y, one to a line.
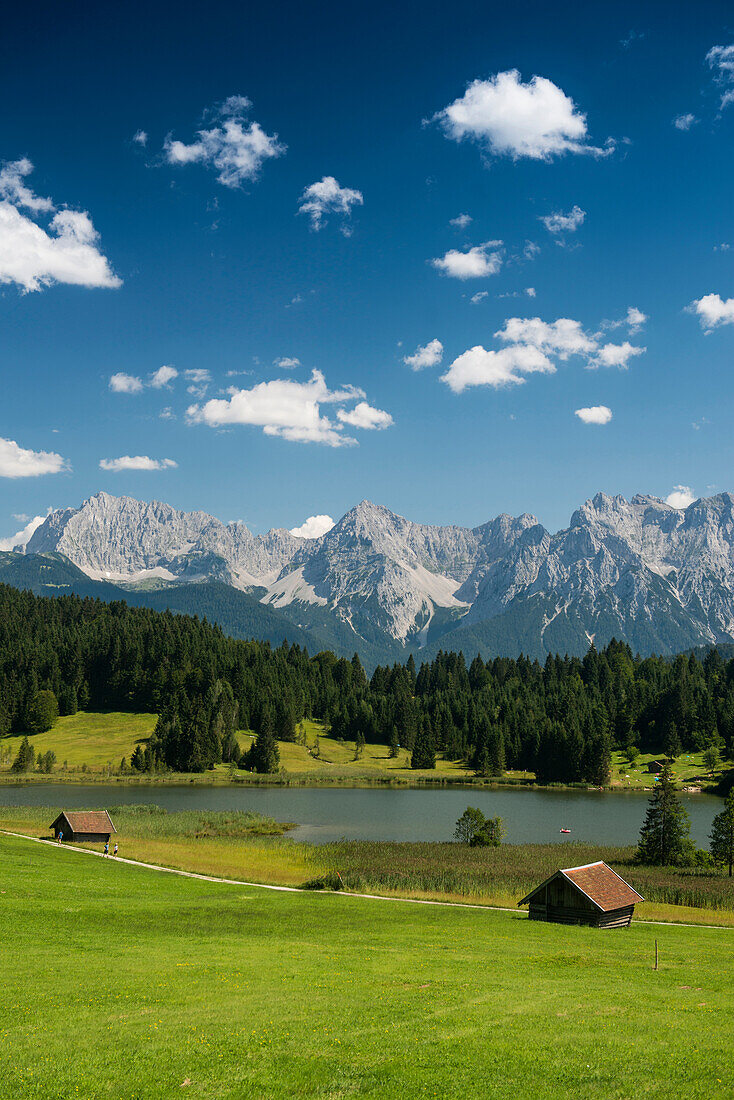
293	199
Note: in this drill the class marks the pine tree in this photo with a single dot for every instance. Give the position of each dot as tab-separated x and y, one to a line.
721	837
664	836
26	757
423	755
265	755
394	743
672	742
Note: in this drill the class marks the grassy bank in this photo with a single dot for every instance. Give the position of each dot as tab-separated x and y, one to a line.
198	989
90	747
248	847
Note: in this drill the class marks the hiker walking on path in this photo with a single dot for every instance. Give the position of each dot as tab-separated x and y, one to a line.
114	850
106	848
60	837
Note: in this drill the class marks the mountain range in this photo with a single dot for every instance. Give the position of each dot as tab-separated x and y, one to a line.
659	577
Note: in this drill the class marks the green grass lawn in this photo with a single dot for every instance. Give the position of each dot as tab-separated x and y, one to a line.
129	983
96	740
688	769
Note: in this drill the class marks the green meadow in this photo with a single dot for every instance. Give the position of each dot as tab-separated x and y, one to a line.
90	746
122	981
246	846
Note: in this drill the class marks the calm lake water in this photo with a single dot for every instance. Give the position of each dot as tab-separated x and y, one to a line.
325	814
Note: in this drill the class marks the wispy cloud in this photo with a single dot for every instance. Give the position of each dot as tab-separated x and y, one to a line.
235	147
564	223
328	197
136	462
721	62
684	122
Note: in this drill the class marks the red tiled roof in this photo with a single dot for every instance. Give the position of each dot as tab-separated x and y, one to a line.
88	821
602	885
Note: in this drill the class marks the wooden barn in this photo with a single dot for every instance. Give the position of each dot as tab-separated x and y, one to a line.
655	767
593	894
94	825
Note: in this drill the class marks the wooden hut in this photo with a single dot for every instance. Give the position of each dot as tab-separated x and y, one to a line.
94	825
655	767
593	894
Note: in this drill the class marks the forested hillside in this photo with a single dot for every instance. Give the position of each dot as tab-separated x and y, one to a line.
560	719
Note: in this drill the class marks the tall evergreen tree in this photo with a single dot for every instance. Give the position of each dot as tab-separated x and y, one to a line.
264	755
664	836
26	757
424	755
721	838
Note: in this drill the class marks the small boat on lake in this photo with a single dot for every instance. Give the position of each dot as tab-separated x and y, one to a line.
565	830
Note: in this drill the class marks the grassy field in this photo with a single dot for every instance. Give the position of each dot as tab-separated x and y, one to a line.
247	847
99	741
89	748
199	989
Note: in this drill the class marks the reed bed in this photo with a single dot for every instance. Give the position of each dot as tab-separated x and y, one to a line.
507	872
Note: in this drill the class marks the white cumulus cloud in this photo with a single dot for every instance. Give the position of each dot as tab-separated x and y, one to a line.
615	355
366	417
140	138
681	497
477	263
136	462
595	414
287	362
16	461
509	118
235	147
461	221
286	408
313	528
564	223
430	355
22	537
33	256
325	197
713	310
531	345
563	337
506	367
125	383
162	377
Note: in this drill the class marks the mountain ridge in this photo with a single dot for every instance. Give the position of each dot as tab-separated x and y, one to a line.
660	577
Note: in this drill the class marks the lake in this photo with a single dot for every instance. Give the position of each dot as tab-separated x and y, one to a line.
326	814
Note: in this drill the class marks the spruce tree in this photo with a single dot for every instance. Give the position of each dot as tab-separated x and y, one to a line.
672	742
423	755
721	837
394	743
265	753
664	836
26	757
